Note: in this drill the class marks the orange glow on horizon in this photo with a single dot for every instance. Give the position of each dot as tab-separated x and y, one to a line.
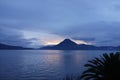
52	42
55	42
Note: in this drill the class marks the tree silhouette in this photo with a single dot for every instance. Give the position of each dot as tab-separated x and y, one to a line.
107	67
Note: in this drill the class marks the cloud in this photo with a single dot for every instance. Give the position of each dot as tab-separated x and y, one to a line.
14	37
87	39
34	22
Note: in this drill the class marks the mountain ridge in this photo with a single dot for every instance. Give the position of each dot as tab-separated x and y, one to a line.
11	47
68	44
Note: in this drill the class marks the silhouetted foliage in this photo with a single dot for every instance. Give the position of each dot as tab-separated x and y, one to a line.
107	67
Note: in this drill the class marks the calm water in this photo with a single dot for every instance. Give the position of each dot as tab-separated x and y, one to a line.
43	65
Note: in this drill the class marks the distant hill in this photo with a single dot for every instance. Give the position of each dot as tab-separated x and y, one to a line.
68	44
10	47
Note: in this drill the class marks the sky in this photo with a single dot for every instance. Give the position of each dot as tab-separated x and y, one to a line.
35	23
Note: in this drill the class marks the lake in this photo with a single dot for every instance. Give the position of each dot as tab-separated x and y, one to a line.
43	64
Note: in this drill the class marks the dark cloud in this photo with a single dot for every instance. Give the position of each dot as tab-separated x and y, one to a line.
97	22
14	37
87	39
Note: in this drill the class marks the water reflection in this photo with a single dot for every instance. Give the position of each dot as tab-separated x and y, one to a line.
43	64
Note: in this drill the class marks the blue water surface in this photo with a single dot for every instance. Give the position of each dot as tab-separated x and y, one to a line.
43	64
